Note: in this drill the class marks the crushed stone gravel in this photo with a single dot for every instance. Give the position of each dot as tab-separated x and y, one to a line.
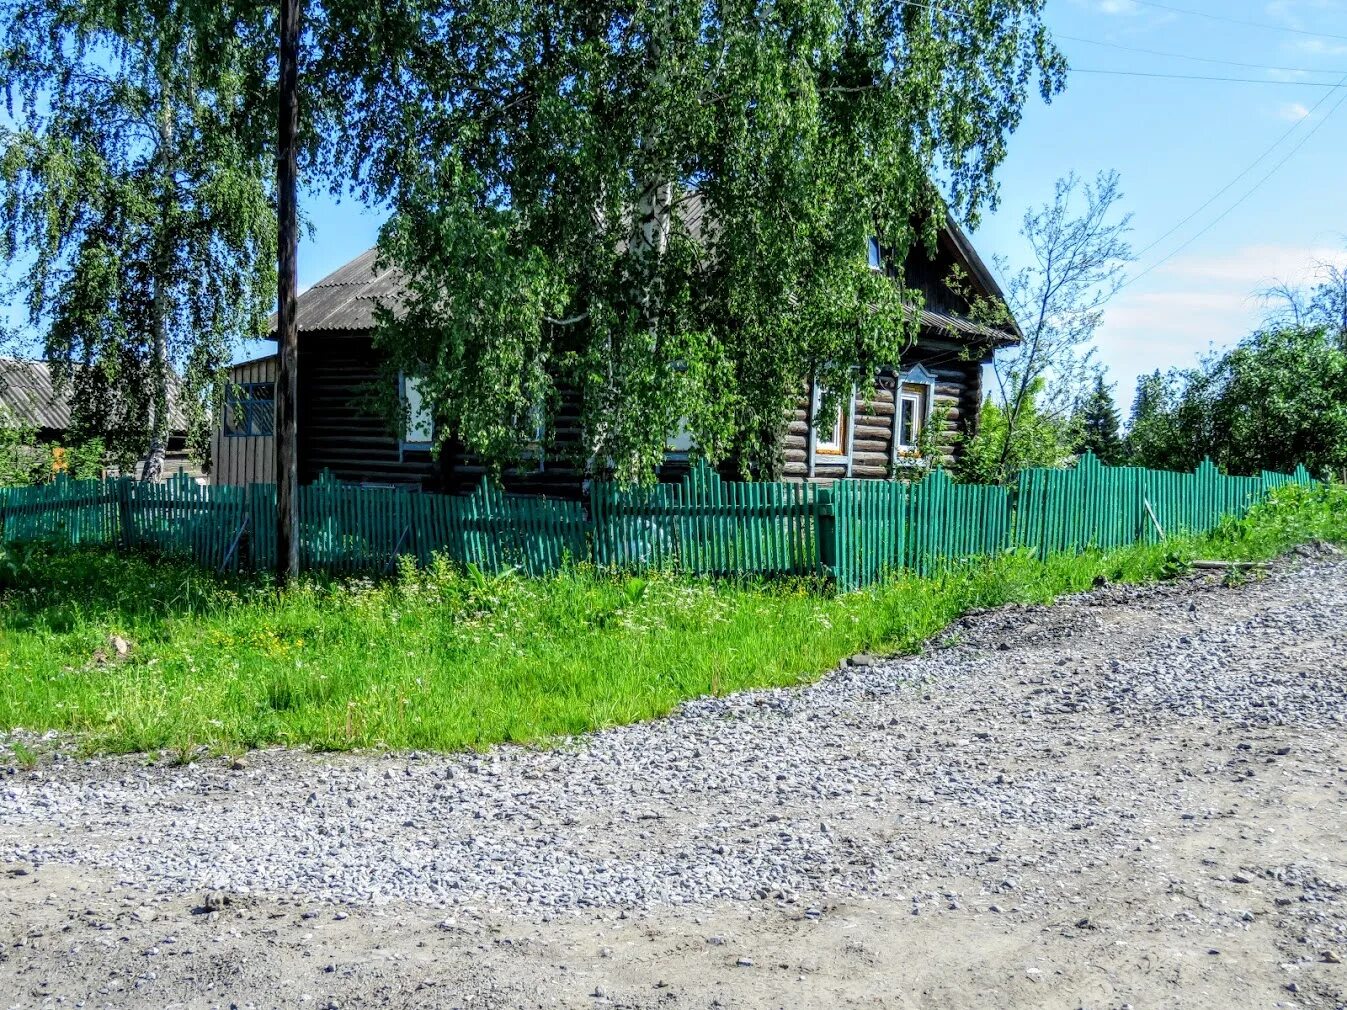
1018	721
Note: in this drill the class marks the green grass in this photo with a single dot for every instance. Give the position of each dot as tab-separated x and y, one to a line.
445	659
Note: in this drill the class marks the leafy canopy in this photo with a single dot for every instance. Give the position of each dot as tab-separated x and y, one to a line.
135	217
1000	449
660	207
1277	399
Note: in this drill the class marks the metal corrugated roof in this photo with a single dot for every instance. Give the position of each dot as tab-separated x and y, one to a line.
957	324
346	298
28	390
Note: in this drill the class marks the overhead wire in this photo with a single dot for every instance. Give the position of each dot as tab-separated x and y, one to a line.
1202	77
1226	213
1330	90
1262	25
1195	59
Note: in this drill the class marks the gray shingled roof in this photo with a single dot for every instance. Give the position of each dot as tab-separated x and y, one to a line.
346	298
28	390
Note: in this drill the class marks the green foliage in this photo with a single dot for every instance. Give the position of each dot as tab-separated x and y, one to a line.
23	460
1278	398
663	207
1099	425
998	449
1153	433
134	203
1079	246
444	659
18	452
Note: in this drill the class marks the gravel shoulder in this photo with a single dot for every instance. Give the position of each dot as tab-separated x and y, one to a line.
1135	797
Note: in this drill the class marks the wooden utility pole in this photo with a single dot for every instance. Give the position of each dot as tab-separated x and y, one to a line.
287	332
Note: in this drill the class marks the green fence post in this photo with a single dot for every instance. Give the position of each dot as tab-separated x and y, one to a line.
124	520
825	530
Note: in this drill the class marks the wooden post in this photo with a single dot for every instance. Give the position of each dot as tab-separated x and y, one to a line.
810	435
895	426
125	519
287	333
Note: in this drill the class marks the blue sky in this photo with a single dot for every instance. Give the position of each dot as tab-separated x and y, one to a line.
1175	144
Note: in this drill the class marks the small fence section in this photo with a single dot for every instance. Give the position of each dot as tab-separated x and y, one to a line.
855	531
709	526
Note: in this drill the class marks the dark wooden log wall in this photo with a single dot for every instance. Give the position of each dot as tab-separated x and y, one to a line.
339	430
958	392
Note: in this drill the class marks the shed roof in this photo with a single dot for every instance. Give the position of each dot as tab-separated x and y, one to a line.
29	391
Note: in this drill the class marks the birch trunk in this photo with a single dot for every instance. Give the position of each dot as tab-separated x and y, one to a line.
153	469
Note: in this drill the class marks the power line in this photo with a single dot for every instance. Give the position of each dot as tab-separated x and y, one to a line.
1194	59
1203	77
1247	169
1237	21
1247	193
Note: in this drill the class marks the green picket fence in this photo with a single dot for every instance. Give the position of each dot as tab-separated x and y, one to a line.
708	526
1097	506
855	531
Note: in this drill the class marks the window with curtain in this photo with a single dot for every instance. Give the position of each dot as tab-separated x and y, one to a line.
831	441
420	426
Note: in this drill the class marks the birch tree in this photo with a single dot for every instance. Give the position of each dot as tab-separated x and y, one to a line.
1078	248
660	205
135	219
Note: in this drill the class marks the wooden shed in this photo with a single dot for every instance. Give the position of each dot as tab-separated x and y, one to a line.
242	449
30	392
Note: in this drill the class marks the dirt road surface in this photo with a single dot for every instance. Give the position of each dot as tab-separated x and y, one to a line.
1134	798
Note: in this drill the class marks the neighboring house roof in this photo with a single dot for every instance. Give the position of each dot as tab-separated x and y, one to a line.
345	299
28	390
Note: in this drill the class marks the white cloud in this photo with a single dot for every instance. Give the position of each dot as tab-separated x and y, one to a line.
1196	303
1321	47
1116	7
1304	14
1293	112
1256	265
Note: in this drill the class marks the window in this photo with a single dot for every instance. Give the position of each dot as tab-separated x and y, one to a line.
912	402
873	254
680	443
915	396
420	426
831	440
250	410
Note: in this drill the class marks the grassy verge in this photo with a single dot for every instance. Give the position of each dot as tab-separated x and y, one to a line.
441	659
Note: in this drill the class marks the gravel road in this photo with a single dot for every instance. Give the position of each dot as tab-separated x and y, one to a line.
1135	797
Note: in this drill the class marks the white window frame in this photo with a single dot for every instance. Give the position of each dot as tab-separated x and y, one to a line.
915	385
533	448
426	424
824	451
